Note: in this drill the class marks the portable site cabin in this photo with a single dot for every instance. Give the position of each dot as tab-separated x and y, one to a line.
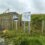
7	21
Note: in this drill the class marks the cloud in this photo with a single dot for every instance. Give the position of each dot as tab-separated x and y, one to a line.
35	6
38	6
18	5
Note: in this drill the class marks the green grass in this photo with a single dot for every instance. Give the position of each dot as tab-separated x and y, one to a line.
19	38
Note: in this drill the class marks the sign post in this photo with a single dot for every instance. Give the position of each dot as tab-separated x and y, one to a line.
26	17
24	26
16	24
15	18
29	26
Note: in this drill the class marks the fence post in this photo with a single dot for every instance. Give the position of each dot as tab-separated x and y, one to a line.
42	26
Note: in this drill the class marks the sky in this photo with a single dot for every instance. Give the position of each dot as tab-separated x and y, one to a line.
34	6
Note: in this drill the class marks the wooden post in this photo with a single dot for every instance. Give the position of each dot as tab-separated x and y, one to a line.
12	23
16	25
42	26
24	26
29	26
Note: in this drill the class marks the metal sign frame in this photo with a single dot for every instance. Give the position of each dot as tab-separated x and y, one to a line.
15	18
26	17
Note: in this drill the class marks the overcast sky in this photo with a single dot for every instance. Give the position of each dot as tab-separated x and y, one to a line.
34	6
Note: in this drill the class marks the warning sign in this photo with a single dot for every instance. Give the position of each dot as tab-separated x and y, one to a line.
26	16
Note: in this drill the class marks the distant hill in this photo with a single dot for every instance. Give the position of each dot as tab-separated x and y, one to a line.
15	13
38	14
11	13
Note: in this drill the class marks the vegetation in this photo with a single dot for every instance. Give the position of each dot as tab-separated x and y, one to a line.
19	37
36	23
16	38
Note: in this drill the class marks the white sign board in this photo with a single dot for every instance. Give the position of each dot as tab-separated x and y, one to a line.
26	16
15	18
